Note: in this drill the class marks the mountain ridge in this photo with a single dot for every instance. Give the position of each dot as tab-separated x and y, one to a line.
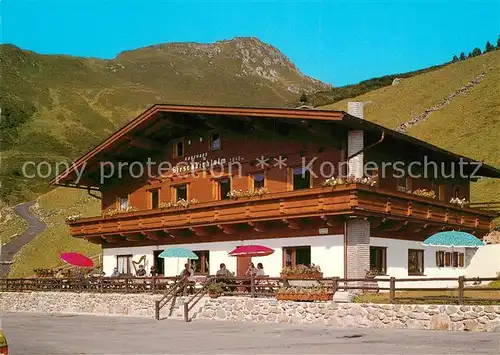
50	99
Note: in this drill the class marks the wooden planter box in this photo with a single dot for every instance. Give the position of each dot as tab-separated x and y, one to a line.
319	275
371	282
304	297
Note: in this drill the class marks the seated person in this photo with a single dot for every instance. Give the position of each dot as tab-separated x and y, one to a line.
186	272
152	271
115	272
223	272
251	271
260	270
141	272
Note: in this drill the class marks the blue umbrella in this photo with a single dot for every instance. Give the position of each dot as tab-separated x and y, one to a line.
453	239
178	253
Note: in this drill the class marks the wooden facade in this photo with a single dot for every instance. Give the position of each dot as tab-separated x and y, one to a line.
193	138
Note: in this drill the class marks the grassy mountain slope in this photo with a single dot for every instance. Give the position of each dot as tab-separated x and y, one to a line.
469	125
56	107
53	207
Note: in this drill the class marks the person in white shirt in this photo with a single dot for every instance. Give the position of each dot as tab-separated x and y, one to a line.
260	270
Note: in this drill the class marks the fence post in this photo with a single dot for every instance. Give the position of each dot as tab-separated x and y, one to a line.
461	291
101	281
252	286
126	284
392	289
153	285
335	284
157	310
186	312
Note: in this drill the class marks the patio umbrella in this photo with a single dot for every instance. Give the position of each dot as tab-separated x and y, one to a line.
251	251
178	253
77	259
453	239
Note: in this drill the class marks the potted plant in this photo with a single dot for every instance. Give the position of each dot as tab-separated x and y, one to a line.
214	290
370	280
302	272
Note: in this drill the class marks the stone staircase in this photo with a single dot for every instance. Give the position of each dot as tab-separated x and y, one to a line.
175	310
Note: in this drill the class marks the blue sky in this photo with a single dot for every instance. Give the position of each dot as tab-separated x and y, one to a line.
339	42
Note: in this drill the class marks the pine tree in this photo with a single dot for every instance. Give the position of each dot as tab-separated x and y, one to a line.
476	52
469	55
498	43
455	59
462	56
489	47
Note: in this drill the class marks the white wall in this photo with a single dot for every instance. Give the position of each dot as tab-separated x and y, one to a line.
327	251
397	263
485	262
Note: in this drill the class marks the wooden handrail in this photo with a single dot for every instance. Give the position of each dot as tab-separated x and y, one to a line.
272	284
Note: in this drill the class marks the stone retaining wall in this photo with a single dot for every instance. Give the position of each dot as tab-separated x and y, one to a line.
264	310
439	317
140	305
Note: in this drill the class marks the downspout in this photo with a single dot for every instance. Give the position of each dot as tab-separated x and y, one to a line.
88	188
345	249
368	147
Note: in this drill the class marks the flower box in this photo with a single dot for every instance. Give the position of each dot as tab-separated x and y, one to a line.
311	276
304	297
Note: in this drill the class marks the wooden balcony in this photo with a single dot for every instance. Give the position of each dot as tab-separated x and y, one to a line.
285	214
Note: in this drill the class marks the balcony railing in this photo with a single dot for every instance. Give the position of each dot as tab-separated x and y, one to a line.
356	199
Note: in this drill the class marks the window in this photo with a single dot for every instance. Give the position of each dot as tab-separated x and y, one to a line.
178	149
415	262
224	187
456	192
124	264
294	256
154	196
181	192
202	264
440	258
301	178
449	259
258	180
123	203
214	141
378	259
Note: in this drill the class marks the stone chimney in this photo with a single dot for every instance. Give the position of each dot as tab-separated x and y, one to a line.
355	141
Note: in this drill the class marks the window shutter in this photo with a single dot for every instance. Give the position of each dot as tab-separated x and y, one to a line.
447	259
461	260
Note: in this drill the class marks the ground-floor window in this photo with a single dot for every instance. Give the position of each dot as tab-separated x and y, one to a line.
202	264
159	262
124	264
449	259
415	262
293	256
378	260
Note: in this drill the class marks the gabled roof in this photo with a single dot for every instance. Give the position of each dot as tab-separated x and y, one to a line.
336	117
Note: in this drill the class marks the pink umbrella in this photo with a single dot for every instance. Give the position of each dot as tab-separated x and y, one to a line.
77	259
251	250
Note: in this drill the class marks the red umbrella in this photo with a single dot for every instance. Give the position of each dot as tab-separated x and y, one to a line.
77	259
251	250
